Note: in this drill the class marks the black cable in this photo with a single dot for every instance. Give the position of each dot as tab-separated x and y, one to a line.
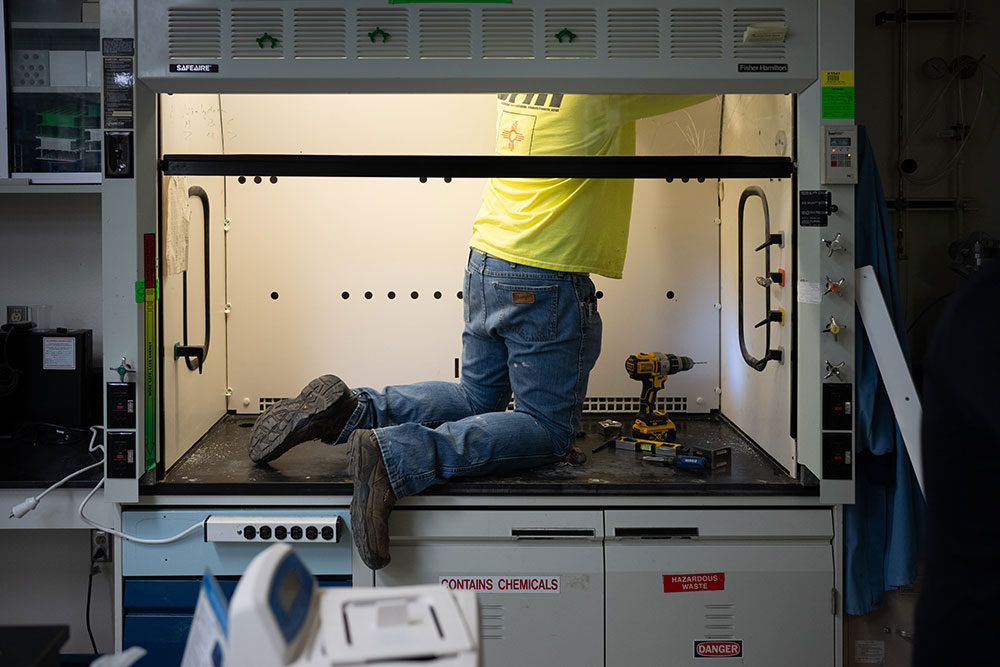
196	191
94	569
927	309
754	363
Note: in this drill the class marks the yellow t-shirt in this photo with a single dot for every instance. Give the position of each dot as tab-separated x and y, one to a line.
565	224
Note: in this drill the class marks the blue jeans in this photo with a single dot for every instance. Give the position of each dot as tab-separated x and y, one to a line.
530	332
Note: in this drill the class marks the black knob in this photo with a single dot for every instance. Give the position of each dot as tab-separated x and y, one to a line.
249	532
327	533
311	533
296	532
265	532
280	533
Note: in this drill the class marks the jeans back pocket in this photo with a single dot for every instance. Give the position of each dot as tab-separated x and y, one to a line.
527	312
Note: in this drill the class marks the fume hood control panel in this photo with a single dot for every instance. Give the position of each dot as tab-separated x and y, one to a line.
840	155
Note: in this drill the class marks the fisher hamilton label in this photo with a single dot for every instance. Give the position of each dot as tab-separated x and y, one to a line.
762	68
182	68
504	584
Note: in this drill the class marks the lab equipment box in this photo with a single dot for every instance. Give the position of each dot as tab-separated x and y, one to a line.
48	377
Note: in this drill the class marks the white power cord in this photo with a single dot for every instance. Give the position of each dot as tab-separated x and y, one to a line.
132	538
31	503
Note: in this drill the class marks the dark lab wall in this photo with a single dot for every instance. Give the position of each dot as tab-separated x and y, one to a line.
929	92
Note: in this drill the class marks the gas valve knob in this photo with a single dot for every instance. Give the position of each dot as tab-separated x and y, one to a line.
122	369
834	245
772	278
777	239
772	316
835	286
835	329
833	370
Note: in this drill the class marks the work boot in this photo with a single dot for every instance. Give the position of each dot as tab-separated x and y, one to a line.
373	499
319	412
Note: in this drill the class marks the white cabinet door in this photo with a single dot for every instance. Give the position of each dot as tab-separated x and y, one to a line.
539	576
719	587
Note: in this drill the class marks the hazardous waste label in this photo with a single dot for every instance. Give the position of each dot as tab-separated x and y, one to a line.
708	581
505	584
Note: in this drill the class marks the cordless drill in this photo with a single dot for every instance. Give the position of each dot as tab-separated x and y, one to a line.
652	369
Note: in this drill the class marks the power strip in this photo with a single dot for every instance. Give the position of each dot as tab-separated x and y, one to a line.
291	529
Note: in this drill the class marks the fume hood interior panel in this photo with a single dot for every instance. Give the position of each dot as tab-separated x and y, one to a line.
362	277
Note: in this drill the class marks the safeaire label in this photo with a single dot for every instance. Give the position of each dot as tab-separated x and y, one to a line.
706	581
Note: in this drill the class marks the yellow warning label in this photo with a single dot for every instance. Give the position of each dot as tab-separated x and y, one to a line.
837	77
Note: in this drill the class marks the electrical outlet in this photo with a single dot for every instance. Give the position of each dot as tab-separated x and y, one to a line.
18	314
100	547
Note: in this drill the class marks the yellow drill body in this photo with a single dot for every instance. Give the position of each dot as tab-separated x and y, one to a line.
652	369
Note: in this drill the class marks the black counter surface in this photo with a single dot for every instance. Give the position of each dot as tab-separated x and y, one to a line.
37	455
218	464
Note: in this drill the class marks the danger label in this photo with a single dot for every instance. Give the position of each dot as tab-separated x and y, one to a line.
732	648
548	585
679	583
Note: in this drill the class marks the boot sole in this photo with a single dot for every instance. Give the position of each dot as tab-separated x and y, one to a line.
360	509
323	406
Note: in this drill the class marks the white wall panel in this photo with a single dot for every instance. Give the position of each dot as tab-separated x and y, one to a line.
759	403
193	401
310	241
44	578
50	255
673	248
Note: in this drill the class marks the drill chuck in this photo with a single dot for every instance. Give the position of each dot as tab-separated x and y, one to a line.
678	364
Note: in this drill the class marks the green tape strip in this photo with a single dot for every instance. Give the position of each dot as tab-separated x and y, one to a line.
140	291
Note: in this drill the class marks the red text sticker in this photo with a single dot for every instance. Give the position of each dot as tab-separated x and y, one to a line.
732	648
149	260
710	581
